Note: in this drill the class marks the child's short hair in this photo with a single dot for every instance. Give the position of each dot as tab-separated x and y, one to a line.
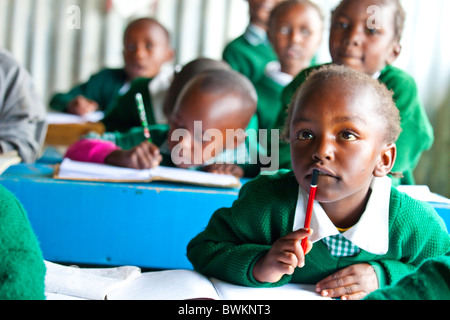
285	5
134	23
399	15
221	81
317	79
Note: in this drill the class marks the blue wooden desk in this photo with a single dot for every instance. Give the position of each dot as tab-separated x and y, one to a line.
146	225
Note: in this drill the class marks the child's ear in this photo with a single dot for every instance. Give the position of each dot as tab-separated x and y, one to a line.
170	55
395	52
387	160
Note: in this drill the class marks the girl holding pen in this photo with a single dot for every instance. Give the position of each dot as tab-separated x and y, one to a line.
364	233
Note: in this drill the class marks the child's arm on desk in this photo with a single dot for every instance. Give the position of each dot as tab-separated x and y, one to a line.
144	156
223	168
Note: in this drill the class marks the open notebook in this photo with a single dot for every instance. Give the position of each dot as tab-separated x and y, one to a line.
74	170
128	283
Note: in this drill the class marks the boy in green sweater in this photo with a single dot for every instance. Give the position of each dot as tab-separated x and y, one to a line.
250	53
359	41
364	233
22	269
207	131
146	50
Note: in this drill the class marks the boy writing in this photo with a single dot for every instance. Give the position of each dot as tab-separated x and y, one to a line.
364	234
146	50
371	46
211	104
295	32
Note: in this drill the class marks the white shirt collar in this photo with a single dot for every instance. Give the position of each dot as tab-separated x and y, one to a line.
273	71
371	233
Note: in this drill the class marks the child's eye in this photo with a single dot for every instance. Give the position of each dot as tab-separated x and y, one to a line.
305	32
305	135
347	136
285	31
372	31
342	25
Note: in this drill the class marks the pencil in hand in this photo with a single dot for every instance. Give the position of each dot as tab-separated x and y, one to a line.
309	209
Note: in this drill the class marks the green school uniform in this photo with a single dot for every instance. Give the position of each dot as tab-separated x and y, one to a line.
102	87
269	101
431	281
159	135
237	237
417	133
22	268
250	53
124	115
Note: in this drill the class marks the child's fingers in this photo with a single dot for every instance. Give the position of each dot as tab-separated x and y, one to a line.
299	234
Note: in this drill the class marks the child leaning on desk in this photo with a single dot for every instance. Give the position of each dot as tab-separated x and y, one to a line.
370	43
364	233
146	50
211	103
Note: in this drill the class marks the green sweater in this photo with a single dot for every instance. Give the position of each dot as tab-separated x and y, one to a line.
269	102
417	135
237	237
431	281
103	88
248	59
22	269
124	115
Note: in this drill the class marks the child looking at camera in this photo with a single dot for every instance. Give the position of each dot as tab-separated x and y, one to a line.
363	43
364	233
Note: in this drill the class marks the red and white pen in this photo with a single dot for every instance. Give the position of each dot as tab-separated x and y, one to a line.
309	209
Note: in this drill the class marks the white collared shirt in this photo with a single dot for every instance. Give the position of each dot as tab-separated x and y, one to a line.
370	233
273	71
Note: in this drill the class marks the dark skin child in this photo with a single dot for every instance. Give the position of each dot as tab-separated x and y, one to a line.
146	49
217	113
295	35
356	43
331	132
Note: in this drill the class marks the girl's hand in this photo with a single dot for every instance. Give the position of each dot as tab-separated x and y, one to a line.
351	283
144	156
283	258
231	169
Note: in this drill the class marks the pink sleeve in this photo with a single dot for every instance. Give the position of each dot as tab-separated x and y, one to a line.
91	150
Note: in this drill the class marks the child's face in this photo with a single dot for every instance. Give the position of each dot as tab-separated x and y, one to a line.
215	112
146	49
295	36
355	44
260	11
337	131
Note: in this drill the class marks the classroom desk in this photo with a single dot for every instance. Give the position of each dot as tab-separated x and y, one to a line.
111	224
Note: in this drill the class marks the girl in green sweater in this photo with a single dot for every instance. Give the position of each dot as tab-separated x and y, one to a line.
364	233
372	49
